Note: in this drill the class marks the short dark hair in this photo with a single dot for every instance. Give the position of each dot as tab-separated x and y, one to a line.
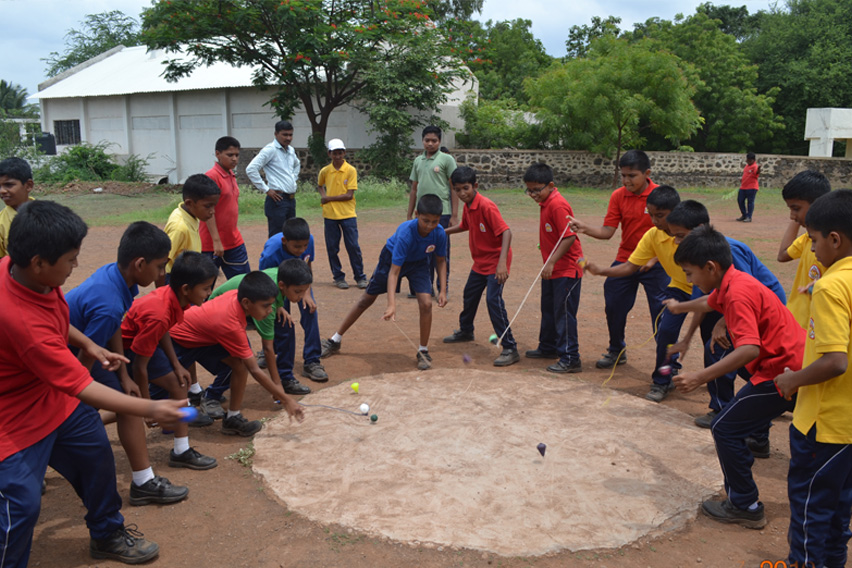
199	186
751	156
539	172
191	268
688	214
831	212
430	204
142	240
283	125
296	229
257	286
635	160
46	229
295	272
432	129
703	245
463	174
226	142
806	186
16	168
664	197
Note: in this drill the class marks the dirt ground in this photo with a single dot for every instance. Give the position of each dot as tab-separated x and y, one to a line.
231	518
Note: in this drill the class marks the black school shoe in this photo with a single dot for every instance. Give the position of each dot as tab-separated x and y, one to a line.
726	512
758	449
609	360
459	336
295	387
157	490
191	459
539	354
562	367
125	545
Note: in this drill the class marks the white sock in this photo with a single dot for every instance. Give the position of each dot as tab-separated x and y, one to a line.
181	444
753	506
233	413
423	348
336	337
195	388
142	477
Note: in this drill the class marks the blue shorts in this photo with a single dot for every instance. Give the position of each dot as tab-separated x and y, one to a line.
108	378
158	367
417	273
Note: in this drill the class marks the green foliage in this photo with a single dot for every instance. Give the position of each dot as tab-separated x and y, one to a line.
99	33
495	124
317	54
13	102
736	117
90	162
806	52
580	37
317	148
733	21
513	54
598	102
243	456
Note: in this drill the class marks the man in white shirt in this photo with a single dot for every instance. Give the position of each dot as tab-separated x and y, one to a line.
281	166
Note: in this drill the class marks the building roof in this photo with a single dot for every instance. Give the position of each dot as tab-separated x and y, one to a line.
128	70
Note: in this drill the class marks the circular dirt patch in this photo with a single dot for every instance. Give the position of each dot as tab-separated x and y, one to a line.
453	460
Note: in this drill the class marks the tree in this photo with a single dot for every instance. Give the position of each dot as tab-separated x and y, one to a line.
733	21
805	51
736	117
598	102
580	37
495	124
313	54
99	33
13	102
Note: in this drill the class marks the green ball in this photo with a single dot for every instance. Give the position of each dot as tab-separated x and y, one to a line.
374	418
493	339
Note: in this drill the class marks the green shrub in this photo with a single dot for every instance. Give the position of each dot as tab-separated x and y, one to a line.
91	162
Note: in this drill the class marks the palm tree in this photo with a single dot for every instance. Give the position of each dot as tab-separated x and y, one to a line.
13	101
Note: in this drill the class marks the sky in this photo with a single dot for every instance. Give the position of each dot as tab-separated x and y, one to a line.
34	28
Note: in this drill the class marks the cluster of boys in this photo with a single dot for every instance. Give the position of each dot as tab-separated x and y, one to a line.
63	357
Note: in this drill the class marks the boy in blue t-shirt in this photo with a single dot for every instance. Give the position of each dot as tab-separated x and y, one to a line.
97	307
295	241
406	253
686	216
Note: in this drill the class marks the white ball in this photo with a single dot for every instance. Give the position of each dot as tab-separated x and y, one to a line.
365	408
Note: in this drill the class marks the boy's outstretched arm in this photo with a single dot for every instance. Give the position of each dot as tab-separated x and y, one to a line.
562	248
108	360
502	273
275	389
100	396
623	269
790	234
696	305
393	278
739	357
603	232
825	368
454	229
441	265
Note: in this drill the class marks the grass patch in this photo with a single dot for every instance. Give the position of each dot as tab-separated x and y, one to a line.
244	456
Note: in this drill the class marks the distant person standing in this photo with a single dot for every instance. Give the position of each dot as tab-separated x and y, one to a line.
281	166
430	174
748	188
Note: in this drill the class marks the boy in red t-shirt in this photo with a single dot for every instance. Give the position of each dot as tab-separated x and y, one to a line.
748	188
145	335
41	385
627	207
490	246
214	335
766	340
220	236
560	276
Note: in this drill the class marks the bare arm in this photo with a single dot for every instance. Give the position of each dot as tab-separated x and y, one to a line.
563	247
827	367
348	196
393	278
623	269
100	396
109	360
412	200
455	229
502	273
454	207
441	265
790	234
603	232
218	249
275	389
739	357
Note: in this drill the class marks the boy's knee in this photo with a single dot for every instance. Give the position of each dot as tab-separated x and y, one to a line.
366	301
424	302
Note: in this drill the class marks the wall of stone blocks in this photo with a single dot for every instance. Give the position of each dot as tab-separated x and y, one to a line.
505	168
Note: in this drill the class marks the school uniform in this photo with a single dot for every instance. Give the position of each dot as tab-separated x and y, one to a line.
97	307
820	477
485	226
560	294
43	423
274	254
340	219
234	258
659	244
631	212
182	229
410	251
808	270
754	316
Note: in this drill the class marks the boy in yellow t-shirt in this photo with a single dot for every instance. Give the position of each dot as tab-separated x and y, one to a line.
819	483
799	193
337	183
200	196
16	183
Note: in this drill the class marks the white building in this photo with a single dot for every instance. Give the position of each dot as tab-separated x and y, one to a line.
122	98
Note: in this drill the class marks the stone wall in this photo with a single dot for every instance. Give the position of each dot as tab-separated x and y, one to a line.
505	168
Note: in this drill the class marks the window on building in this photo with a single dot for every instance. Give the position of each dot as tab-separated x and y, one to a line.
67	132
